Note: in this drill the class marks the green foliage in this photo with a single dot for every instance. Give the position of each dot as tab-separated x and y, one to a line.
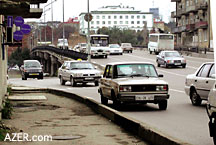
9	89
18	56
7	109
118	35
3	133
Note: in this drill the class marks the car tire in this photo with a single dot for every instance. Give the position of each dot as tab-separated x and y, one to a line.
195	98
62	82
131	51
166	66
214	133
121	53
184	66
158	65
24	77
116	103
73	84
105	56
162	105
104	100
96	83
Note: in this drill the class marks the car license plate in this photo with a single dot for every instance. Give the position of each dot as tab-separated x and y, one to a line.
144	97
89	78
177	63
33	74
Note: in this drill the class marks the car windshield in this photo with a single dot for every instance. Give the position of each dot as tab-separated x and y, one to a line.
81	65
114	46
83	45
136	70
32	64
172	54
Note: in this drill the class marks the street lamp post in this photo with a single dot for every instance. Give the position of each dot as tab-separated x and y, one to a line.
88	35
63	27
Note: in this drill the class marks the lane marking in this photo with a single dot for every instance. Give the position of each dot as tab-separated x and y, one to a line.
176	91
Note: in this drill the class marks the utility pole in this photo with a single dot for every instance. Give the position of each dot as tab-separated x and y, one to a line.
63	27
88	35
52	18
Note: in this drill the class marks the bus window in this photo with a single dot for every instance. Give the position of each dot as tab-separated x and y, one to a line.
166	37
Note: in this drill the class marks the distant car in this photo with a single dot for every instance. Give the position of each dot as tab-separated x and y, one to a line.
62	43
198	85
31	69
82	47
78	72
170	58
211	111
133	82
127	47
115	49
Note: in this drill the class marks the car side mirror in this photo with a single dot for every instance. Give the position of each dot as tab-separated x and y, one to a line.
160	76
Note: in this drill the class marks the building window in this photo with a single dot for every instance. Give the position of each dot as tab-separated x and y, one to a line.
98	17
98	22
138	17
138	22
120	17
109	17
92	22
115	22
126	17
126	22
103	17
132	22
109	22
144	17
121	22
205	36
92	27
115	17
103	22
132	17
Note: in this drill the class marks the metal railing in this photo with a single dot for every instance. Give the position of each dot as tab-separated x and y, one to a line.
64	52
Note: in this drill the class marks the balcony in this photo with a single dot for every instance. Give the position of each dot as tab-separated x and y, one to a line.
201	25
175	30
202	6
190	27
191	9
175	0
182	28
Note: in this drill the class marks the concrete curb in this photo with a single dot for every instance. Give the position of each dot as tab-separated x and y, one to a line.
140	129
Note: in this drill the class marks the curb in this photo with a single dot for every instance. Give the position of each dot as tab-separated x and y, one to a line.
142	130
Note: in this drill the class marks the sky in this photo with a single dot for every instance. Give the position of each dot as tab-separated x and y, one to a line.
72	8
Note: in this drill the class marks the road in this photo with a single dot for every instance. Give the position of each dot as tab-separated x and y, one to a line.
181	120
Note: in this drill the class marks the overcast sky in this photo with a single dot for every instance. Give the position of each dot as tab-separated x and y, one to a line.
74	7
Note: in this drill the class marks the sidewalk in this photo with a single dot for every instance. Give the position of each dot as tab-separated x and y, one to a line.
65	119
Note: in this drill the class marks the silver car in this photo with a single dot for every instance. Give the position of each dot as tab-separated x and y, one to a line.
127	47
133	82
199	84
170	58
78	72
211	111
115	49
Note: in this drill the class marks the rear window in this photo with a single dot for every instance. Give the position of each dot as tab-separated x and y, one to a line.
31	64
126	44
169	37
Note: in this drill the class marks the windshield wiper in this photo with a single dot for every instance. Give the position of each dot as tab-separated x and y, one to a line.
122	75
139	75
75	68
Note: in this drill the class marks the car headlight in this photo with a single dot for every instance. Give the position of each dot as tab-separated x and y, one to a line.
97	74
125	88
78	75
162	88
170	61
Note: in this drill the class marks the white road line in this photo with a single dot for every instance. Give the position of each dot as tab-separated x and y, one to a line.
177	91
171	73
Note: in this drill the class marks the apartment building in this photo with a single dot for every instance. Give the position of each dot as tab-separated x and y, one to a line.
193	24
124	17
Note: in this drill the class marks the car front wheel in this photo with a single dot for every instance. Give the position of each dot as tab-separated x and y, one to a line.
73	84
162	105
104	100
62	82
96	83
195	99
214	133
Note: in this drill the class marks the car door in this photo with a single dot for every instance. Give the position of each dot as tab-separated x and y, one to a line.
202	81
210	80
105	82
67	72
61	70
161	58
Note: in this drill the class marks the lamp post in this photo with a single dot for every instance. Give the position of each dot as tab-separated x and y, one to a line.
63	26
88	35
45	22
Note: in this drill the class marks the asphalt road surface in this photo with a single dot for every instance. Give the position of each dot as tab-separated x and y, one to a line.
181	120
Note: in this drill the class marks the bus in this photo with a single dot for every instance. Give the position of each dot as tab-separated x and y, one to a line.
99	45
159	42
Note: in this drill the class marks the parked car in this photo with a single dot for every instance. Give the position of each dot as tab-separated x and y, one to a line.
133	82
198	85
78	72
127	47
170	58
31	69
115	49
211	111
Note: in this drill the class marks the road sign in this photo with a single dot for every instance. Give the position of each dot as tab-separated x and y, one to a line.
10	21
18	35
25	28
88	17
18	21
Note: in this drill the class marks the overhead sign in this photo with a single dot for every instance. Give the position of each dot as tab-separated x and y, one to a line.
18	21
18	35
25	28
10	21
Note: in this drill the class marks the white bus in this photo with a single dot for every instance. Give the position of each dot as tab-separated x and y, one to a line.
159	42
99	45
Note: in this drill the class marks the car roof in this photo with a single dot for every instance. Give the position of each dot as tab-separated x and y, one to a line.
169	51
31	61
76	61
130	62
